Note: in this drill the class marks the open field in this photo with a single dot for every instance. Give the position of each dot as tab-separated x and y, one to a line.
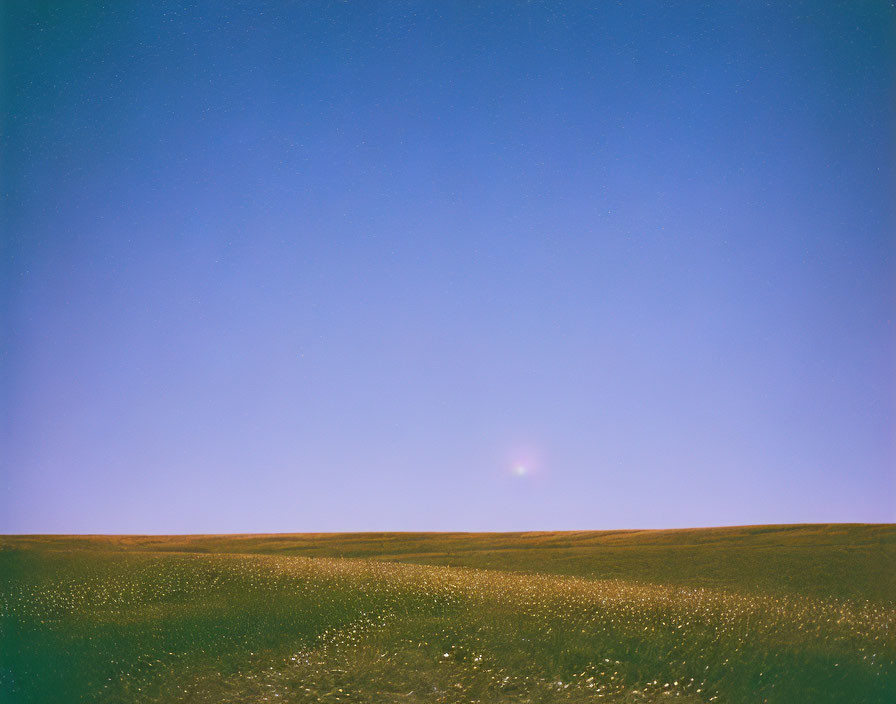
776	614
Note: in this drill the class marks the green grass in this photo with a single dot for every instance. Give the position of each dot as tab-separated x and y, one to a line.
776	614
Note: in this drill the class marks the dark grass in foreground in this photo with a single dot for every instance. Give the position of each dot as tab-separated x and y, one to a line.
777	614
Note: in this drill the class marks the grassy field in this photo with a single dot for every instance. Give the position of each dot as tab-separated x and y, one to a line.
766	614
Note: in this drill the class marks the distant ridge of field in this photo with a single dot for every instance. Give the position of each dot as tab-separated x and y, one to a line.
851	561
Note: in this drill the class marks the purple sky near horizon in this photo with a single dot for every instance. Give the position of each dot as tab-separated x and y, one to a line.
287	267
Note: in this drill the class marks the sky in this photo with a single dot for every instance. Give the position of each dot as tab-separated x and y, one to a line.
301	266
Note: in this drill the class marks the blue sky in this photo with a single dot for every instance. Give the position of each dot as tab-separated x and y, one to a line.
446	266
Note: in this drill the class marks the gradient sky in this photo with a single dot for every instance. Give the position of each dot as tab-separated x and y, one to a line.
430	266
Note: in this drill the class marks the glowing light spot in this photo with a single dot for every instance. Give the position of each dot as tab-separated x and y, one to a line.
520	470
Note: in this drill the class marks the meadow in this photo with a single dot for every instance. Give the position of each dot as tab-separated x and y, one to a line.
765	614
